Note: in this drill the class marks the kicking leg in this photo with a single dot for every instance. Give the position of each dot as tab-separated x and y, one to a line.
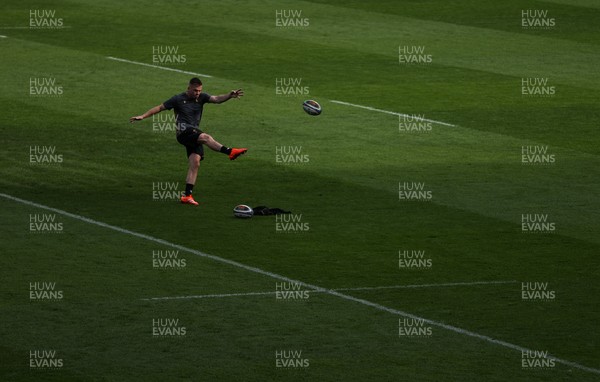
209	141
206	139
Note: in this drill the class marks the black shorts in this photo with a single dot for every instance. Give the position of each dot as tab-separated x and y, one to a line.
189	138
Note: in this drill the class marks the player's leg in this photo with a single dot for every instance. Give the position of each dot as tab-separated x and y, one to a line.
209	141
192	174
216	146
195	153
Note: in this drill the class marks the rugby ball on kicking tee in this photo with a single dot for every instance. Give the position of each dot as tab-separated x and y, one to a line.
242	211
312	107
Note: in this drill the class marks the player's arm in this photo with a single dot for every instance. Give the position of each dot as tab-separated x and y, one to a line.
226	97
149	113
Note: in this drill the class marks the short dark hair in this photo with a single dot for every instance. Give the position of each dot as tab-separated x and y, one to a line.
195	81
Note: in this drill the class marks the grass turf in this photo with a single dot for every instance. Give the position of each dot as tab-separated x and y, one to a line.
347	192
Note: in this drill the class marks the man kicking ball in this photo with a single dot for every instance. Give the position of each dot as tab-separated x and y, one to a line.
188	113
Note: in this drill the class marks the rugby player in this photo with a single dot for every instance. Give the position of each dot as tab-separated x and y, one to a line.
188	108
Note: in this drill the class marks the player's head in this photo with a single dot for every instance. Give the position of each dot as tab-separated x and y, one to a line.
194	88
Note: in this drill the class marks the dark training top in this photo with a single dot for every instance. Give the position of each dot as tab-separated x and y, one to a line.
188	111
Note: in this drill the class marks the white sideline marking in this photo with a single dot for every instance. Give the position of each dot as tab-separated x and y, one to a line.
335	289
429	285
158	67
2	36
208	296
314	287
391	112
334	101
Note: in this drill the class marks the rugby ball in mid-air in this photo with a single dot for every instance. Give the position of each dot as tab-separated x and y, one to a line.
242	211
312	107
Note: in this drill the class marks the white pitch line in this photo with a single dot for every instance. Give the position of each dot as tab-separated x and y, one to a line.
208	296
334	101
2	36
307	285
429	285
158	67
336	289
391	112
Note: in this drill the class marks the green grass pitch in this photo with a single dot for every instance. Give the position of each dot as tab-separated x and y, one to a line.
483	158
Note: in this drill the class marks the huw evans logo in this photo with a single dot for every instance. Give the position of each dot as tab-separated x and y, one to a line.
44	87
413	327
44	223
290	223
413	123
167	327
537	223
537	87
413	191
412	259
162	191
536	155
536	291
39	290
535	359
167	54
44	359
166	259
44	155
290	155
290	291
536	19
290	86
290	359
45	19
164	122
413	55
290	18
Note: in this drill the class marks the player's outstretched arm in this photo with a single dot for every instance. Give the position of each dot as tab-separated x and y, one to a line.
149	113
226	97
